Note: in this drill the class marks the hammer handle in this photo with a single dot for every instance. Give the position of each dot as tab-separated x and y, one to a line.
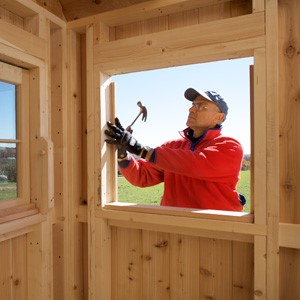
135	119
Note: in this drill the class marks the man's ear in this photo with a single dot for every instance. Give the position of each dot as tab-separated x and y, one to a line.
220	117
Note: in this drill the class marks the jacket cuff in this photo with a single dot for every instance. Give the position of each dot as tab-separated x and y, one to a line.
124	163
152	157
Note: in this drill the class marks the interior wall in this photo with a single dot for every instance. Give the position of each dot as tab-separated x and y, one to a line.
289	91
73	247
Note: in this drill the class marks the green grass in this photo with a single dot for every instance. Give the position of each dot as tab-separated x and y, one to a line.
243	187
8	190
129	193
152	195
132	194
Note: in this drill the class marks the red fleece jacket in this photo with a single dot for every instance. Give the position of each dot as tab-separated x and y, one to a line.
199	175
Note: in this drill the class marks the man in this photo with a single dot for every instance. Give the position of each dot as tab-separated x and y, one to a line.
199	170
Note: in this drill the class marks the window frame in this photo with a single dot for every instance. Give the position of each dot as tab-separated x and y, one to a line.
250	84
112	207
236	43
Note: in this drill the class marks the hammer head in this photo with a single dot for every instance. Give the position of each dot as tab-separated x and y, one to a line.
143	111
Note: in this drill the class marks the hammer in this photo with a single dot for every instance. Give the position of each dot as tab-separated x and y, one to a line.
143	112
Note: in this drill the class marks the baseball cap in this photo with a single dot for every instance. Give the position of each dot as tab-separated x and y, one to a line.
191	94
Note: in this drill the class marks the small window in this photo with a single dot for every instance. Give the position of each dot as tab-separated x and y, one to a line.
14	136
161	91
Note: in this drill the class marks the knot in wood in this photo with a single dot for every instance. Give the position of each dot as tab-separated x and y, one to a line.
288	187
161	244
16	281
258	293
206	272
147	257
290	51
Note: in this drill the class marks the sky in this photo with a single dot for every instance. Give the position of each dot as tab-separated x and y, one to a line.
7	111
162	92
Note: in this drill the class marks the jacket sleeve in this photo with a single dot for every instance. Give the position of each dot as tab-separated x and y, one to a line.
141	173
219	161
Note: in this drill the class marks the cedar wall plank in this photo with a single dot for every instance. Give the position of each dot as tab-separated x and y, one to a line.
6	270
73	235
243	270
182	45
220	10
20	39
19	267
289	95
127	264
289	74
12	18
272	145
184	267
289	267
155	265
215	269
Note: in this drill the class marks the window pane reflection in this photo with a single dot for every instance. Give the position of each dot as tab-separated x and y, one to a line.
8	171
7	111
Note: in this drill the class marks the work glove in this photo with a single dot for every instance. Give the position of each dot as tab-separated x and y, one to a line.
123	140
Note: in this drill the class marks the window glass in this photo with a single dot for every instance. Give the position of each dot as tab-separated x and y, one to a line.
7	111
8	171
8	145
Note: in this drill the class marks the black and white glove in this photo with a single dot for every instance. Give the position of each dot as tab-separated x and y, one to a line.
124	140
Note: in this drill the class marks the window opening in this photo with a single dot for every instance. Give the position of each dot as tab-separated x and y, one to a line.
8	142
161	91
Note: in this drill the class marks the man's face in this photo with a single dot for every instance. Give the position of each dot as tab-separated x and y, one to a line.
203	114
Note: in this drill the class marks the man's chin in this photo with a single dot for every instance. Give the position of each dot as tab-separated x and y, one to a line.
189	123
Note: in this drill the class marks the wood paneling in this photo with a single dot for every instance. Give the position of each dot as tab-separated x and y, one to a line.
153	265
121	253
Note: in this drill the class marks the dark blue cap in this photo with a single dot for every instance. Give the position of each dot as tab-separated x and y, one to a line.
191	95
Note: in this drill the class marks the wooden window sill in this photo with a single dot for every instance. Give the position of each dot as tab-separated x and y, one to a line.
183	212
17	212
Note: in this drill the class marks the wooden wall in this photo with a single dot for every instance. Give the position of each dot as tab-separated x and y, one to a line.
76	242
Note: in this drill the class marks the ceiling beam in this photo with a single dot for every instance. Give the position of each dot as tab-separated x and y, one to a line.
141	11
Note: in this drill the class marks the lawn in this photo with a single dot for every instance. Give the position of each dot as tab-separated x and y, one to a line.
8	190
152	195
132	194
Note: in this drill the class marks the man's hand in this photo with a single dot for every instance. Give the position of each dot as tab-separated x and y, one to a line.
122	139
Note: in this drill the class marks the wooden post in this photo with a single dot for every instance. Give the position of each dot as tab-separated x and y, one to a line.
272	119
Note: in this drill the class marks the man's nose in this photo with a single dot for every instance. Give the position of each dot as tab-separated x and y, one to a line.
192	108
